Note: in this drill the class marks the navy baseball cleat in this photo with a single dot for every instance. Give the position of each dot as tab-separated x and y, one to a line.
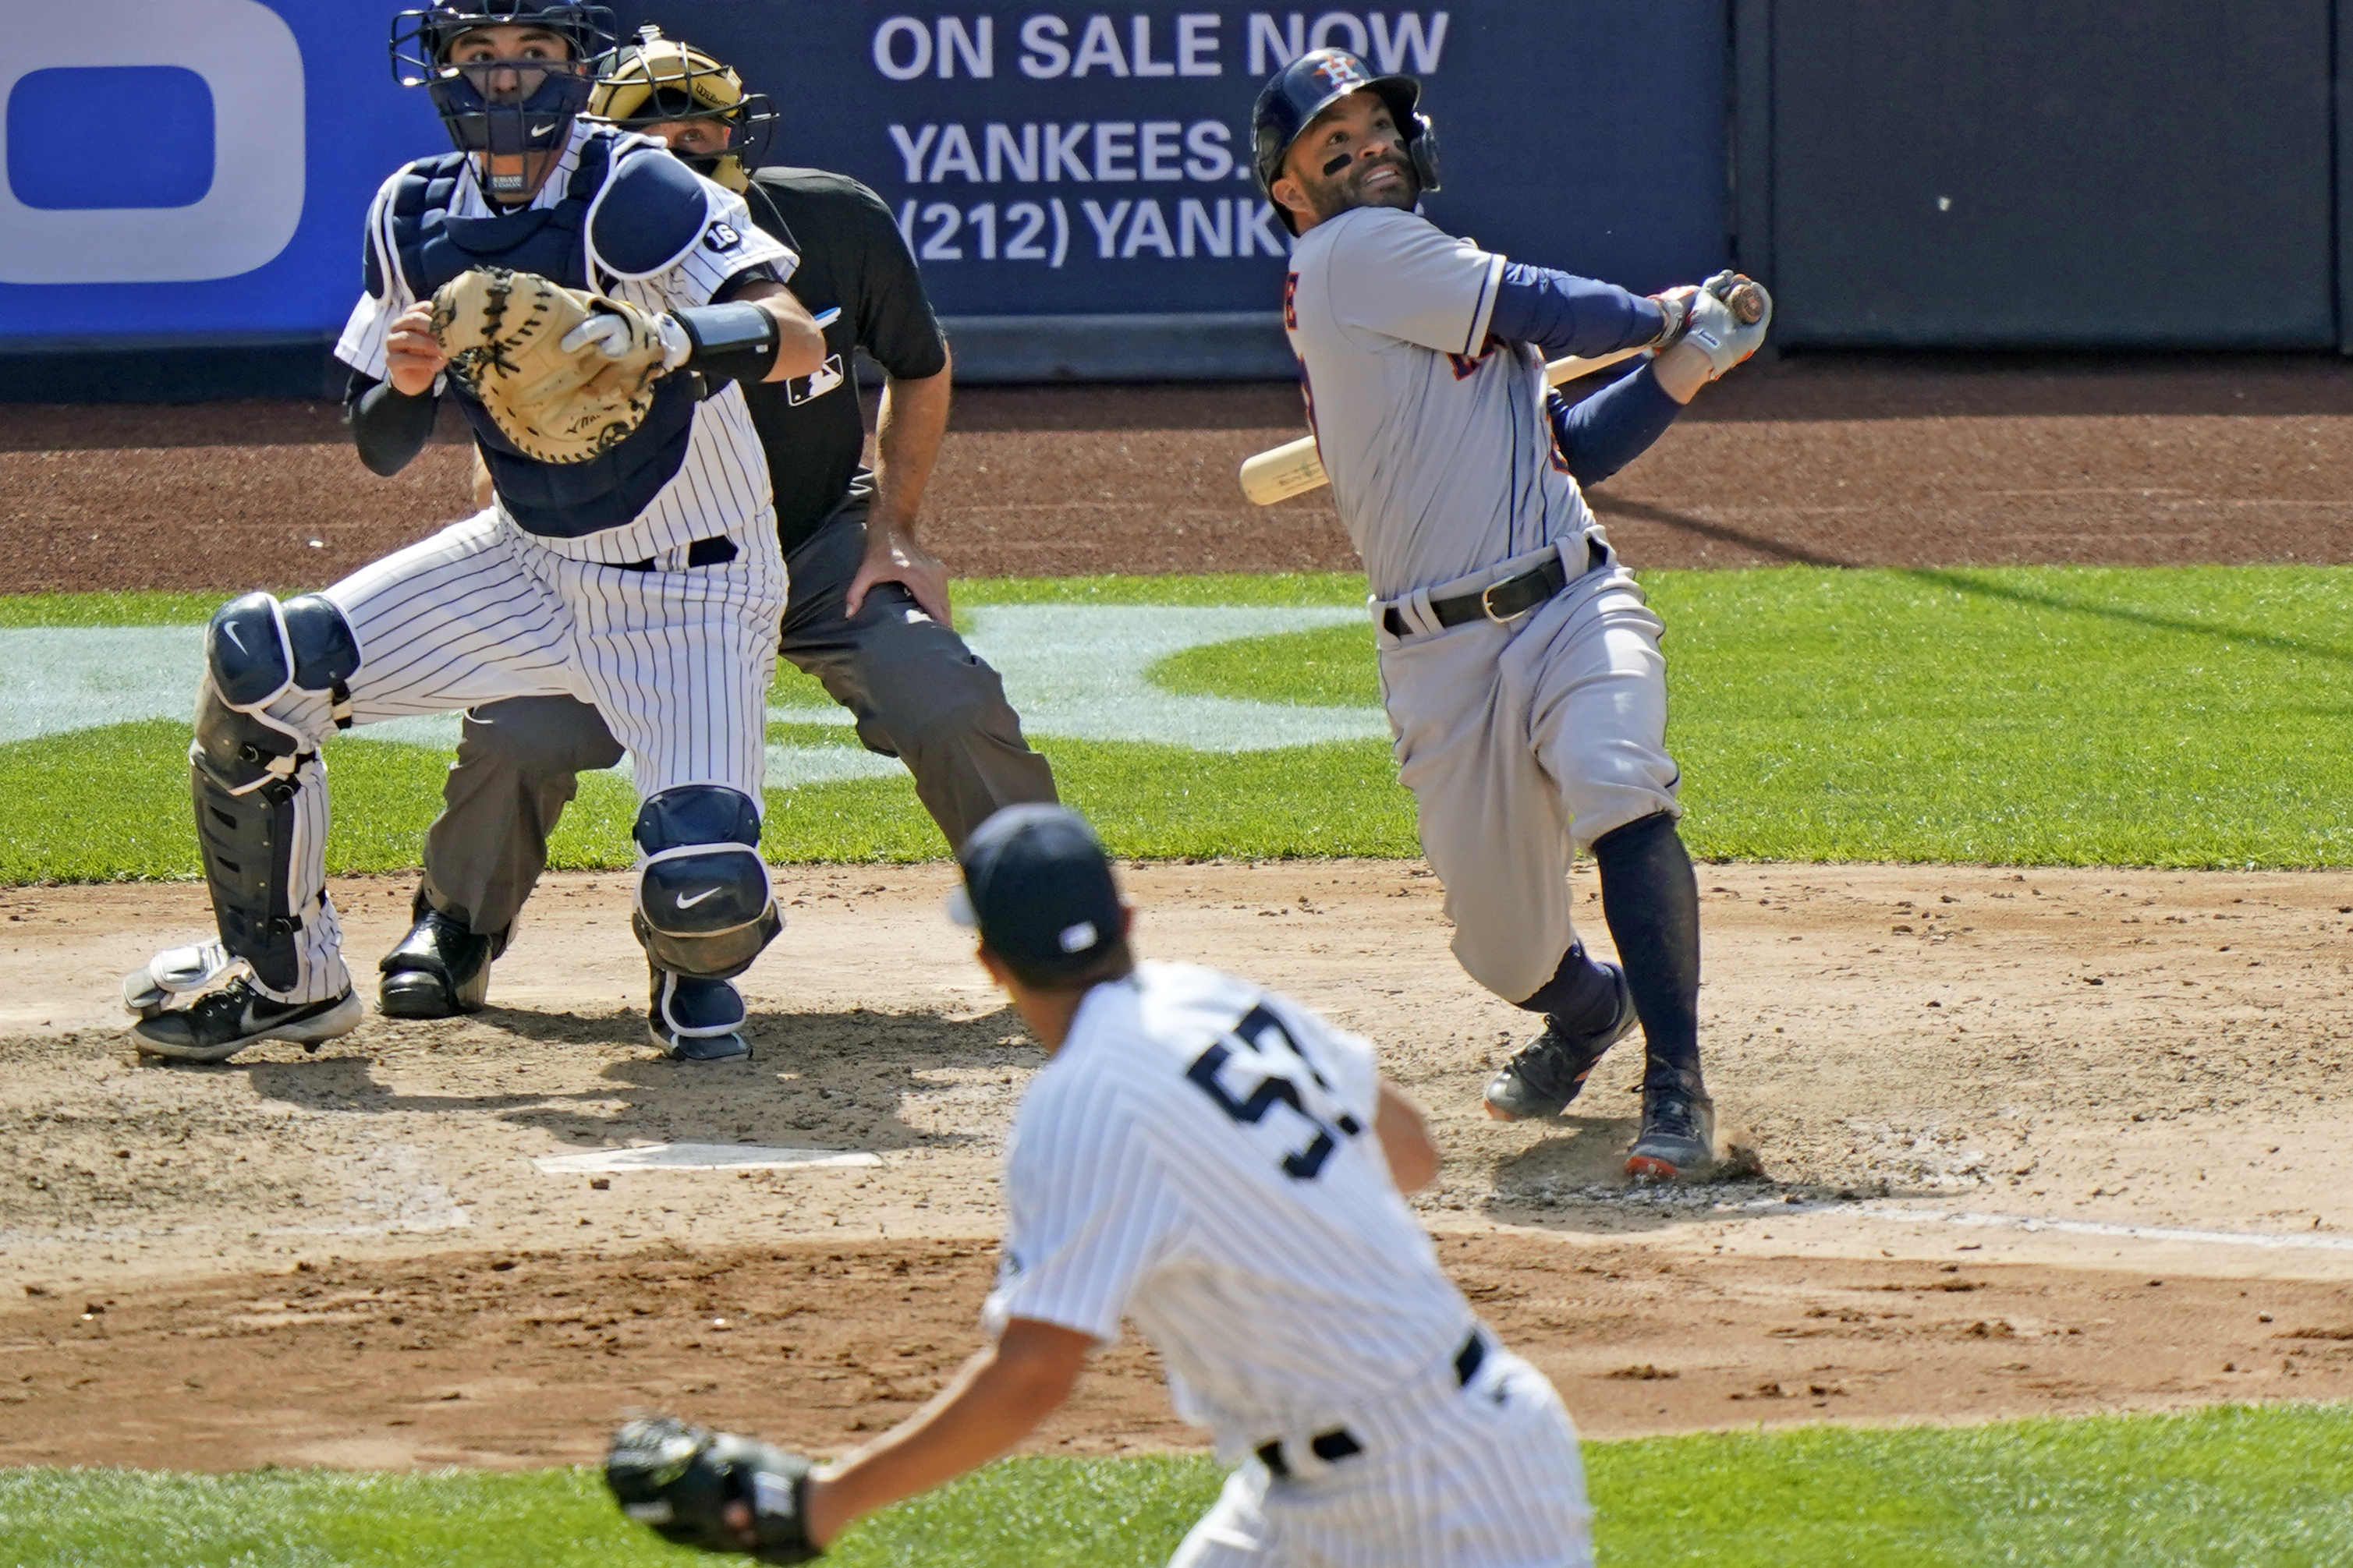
1678	1138
1549	1070
440	970
697	1020
221	1023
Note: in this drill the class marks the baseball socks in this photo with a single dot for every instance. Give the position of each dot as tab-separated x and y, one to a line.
1649	896
1588	1008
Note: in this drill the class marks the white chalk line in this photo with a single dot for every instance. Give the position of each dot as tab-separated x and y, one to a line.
702	1157
1079	672
2032	1224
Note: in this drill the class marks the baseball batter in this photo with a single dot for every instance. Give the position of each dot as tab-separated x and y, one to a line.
1221	1166
1520	665
646	580
867	613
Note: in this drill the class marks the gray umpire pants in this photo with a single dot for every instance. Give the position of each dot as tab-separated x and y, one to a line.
918	693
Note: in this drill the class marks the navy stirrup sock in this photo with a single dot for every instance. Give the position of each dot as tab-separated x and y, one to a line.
1649	896
1581	994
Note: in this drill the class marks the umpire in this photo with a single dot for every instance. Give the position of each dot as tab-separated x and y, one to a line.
867	613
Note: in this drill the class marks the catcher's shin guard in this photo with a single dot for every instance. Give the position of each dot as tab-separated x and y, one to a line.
258	787
704	908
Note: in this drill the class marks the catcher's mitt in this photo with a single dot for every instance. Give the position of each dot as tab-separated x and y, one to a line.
678	1479
504	333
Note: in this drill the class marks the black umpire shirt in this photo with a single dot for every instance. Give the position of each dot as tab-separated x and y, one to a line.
853	256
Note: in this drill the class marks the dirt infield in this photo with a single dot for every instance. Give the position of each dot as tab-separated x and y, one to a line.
1822	458
2024	1142
1993	1109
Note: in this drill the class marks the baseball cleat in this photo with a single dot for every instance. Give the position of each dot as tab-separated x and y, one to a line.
697	1020
440	970
1549	1070
219	1024
1678	1138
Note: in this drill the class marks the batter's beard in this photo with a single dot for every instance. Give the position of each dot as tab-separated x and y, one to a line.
1342	196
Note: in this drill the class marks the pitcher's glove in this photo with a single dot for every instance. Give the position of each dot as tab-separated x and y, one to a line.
565	375
678	1479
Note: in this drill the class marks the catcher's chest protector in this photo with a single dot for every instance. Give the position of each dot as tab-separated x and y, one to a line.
559	502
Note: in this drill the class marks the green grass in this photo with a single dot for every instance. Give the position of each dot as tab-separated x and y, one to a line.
175	609
2241	1485
117	808
2193	717
2033	715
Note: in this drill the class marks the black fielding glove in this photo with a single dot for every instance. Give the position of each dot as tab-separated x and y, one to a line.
677	1480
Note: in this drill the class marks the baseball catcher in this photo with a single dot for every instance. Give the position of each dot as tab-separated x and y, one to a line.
868	612
1225	1169
1520	664
591	304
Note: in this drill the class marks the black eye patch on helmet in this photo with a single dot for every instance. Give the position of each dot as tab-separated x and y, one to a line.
466	96
1312	83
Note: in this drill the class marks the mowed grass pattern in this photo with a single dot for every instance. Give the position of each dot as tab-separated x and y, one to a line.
2190	717
2239	1486
2046	716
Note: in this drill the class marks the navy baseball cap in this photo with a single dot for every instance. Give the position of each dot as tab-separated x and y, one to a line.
1039	888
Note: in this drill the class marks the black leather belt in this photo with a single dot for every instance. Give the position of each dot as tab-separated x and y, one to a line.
701	553
1499	602
1340	1443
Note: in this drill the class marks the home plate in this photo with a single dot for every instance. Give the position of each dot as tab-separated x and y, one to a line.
700	1157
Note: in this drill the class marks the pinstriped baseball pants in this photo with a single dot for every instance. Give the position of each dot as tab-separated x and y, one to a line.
1492	1481
677	658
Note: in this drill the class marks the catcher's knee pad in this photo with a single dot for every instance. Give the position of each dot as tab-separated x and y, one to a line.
257	649
704	907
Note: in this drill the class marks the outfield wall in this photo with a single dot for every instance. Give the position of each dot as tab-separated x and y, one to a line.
1963	173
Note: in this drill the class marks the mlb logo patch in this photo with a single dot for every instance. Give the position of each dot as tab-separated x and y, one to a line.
829	376
721	238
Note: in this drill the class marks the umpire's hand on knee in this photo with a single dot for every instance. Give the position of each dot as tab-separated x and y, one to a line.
413	353
893	556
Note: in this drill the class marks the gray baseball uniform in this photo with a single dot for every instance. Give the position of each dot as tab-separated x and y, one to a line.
1523	740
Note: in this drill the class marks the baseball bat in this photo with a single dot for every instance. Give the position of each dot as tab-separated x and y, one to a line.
1295	468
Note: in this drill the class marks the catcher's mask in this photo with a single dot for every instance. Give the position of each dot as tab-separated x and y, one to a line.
481	115
1313	83
662	81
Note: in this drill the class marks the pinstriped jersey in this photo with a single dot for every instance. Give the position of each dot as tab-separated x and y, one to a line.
721	485
1434	435
1199	1156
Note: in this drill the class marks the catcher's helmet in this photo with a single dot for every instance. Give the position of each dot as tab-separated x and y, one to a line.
656	80
1313	83
421	42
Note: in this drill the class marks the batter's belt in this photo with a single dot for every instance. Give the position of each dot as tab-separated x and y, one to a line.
1502	601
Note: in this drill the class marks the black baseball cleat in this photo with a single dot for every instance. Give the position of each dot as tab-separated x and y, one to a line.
1678	1138
697	1020
440	970
1549	1070
219	1024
